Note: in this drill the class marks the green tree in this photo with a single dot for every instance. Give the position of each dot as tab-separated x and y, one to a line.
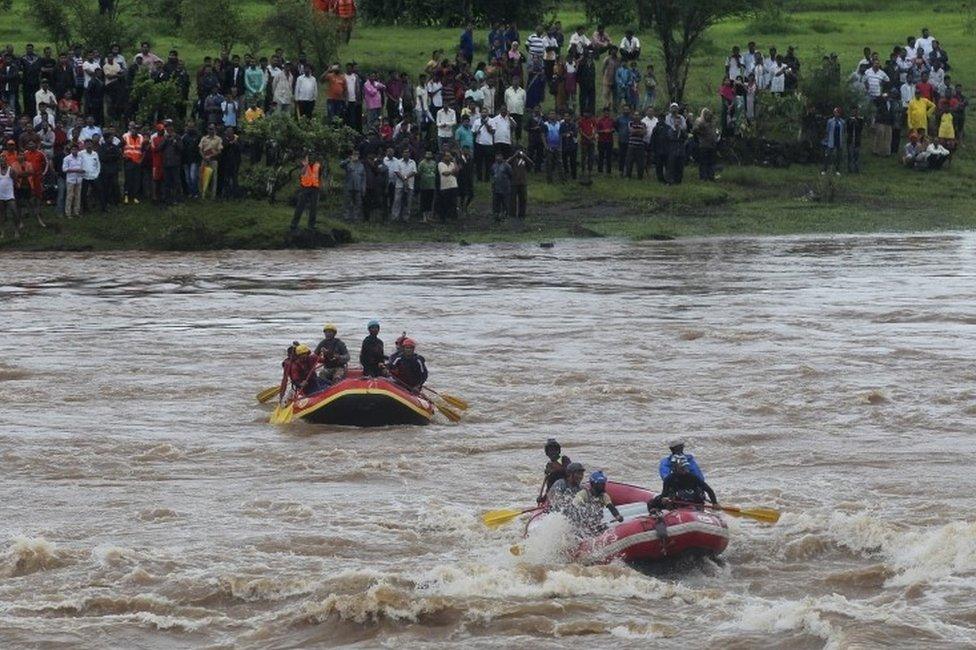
154	100
66	22
215	21
303	30
680	25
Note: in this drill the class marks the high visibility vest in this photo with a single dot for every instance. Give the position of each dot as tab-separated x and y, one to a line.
133	148
310	177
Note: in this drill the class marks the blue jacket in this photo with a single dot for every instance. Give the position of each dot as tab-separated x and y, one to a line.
832	124
664	467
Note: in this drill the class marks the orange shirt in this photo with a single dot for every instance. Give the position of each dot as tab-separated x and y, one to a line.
336	86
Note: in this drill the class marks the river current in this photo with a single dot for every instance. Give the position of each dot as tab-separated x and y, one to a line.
147	504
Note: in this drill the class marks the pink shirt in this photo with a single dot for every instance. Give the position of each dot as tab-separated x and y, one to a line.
372	94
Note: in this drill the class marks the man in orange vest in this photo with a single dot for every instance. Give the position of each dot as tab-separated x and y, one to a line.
132	143
310	184
346	10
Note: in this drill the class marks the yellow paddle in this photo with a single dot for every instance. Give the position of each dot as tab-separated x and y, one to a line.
453	400
266	394
765	515
282	414
496	518
453	416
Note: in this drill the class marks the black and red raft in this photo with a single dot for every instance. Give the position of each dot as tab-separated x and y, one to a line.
364	402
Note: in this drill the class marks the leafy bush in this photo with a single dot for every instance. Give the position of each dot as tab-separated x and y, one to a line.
609	12
303	31
78	21
155	100
215	21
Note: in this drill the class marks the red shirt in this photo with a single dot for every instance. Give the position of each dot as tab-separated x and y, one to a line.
605	127
587	129
926	89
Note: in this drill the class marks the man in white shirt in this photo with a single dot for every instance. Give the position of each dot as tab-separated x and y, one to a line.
90	130
46	97
874	79
421	105
733	64
354	98
749	59
630	46
650	123
483	145
89	67
406	171
446	121
92	169
435	94
911	49
925	43
515	103
579	40
306	90
74	176
501	133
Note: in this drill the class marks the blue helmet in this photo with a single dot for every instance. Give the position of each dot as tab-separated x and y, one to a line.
373	323
598	478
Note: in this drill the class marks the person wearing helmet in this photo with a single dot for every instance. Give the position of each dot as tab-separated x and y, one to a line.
563	490
334	355
399	348
589	502
555	468
409	368
681	487
371	356
300	370
677	448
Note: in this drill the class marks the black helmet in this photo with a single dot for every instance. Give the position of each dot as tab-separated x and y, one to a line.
551	442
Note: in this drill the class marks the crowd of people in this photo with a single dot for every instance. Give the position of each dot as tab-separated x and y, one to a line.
571	106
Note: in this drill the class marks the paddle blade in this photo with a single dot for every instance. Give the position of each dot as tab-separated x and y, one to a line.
456	402
767	515
453	416
497	518
267	394
282	415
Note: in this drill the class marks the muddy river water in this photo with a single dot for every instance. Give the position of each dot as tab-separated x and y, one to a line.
147	504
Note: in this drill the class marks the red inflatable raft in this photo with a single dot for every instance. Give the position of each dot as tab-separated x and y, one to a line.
364	402
690	531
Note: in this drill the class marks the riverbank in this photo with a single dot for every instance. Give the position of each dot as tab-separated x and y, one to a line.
744	201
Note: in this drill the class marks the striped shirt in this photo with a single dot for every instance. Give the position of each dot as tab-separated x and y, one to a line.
536	45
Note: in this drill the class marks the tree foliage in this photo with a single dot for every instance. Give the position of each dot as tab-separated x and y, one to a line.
610	12
679	26
302	30
66	22
452	13
215	21
155	100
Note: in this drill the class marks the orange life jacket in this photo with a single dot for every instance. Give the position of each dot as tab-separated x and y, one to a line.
310	177
346	8
133	148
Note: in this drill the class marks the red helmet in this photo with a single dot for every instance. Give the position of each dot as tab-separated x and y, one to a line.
408	343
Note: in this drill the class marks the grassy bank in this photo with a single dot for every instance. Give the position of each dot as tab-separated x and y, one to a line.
746	200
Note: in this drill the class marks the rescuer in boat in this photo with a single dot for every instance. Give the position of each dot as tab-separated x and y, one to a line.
300	369
409	368
681	485
399	348
563	490
555	468
334	355
371	356
677	448
588	504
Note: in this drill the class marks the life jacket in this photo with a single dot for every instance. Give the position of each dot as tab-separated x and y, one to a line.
133	148
301	367
310	177
555	470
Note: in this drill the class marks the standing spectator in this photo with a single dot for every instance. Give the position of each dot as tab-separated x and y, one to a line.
427	175
8	199
883	123
306	90
309	188
554	148
650	88
834	142
354	186
501	187
466	44
707	137
113	73
586	79
45	97
282	93
677	133
536	129
211	146
605	128
875	80
354	99
30	70
630	46
109	159
622	128
229	109
919	110
406	172
132	151
446	121
95	97
601	41
421	107
578	42
171	147
190	147
465	180
611	63
792	73
254	83
536	43
91	170
515	104
9	86
335	92
230	165
447	172
569	134
635	147
149	59
37	164
373	99
587	132
501	127
520	163
74	171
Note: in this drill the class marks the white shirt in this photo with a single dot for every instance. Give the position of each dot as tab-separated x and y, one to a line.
907	94
352	86
7	186
515	100
749	61
91	164
74	171
47	116
406	167
911	53
778	82
46	97
422	99
629	46
502	127
447	182
306	88
873	80
734	66
87	132
446	121
649	124
482	135
281	88
925	44
89	68
580	41
434	93
536	44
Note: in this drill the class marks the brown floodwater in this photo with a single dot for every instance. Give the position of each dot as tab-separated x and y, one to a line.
147	504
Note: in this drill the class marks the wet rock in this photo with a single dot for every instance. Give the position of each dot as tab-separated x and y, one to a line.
577	230
546	244
308	238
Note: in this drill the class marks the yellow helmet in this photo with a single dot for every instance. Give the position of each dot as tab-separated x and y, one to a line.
329	326
302	350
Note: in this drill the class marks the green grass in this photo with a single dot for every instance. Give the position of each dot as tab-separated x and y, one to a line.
747	200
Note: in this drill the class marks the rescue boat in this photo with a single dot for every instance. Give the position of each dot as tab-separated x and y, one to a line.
364	402
690	531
